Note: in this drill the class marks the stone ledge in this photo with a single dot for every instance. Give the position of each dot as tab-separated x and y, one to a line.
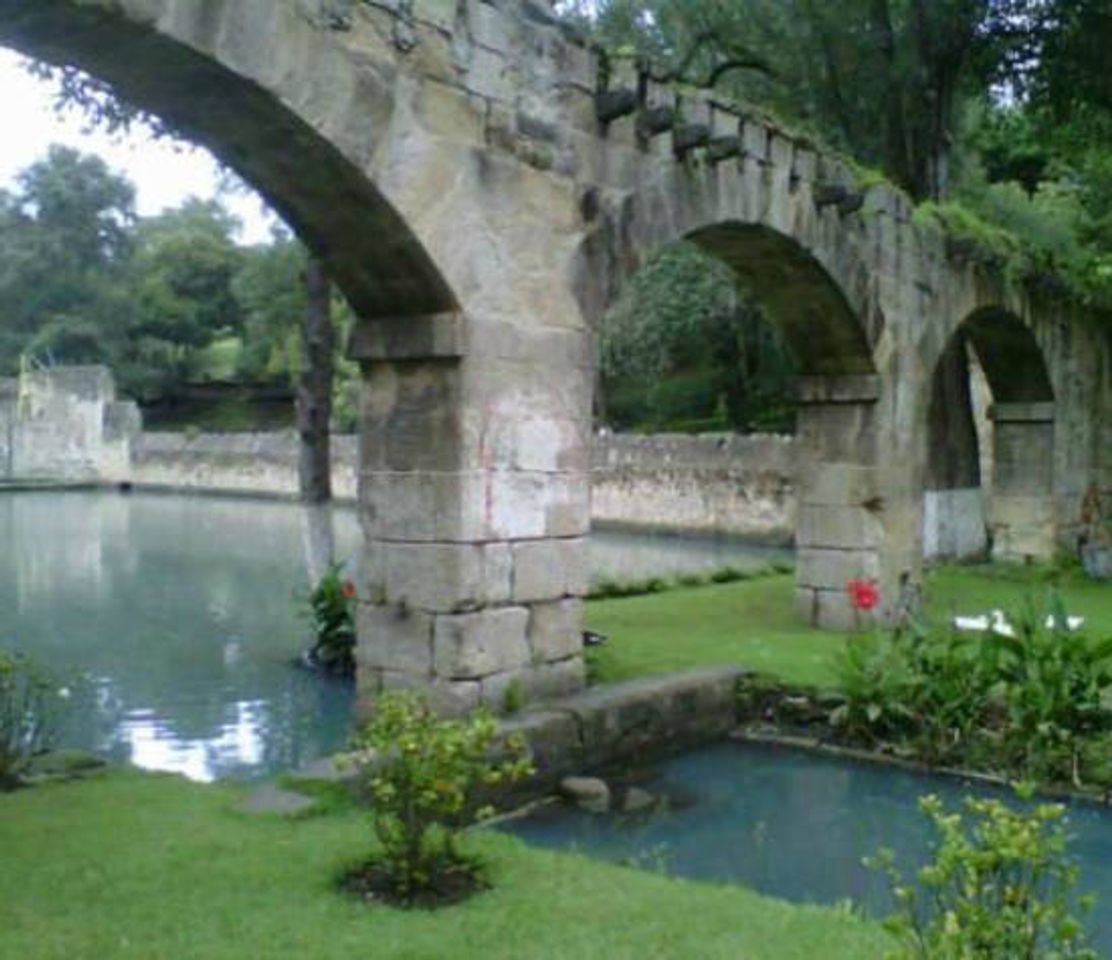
629	721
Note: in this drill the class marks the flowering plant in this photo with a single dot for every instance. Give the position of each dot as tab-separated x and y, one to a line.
332	612
864	594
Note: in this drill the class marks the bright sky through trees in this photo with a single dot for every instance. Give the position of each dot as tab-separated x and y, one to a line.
164	173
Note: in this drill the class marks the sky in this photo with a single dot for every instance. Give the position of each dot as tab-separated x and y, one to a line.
164	173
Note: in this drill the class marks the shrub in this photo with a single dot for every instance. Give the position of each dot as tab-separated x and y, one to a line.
424	772
999	887
30	707
1053	685
332	613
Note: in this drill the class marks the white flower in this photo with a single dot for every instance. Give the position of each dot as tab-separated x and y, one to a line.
64	692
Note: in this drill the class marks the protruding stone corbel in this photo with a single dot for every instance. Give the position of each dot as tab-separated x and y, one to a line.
689	136
611	105
653	121
723	148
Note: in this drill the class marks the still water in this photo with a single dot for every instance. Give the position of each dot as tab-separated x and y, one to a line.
183	613
794	825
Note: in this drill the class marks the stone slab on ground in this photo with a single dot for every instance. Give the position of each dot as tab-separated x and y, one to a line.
325	770
273	799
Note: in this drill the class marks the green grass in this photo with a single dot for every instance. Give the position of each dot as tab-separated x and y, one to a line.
132	865
753	623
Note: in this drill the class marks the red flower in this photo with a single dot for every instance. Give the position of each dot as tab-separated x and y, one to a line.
348	590
863	594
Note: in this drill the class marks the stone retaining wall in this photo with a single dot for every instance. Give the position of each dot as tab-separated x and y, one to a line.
742	486
247	463
628	723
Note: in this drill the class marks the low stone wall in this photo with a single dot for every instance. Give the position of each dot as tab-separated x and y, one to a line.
726	484
631	722
248	463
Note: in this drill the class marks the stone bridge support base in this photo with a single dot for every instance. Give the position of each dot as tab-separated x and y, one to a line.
857	518
1022	514
474	506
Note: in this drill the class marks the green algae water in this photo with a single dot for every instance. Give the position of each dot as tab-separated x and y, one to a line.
183	614
795	825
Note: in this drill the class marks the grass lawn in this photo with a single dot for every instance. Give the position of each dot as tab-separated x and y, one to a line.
753	622
134	865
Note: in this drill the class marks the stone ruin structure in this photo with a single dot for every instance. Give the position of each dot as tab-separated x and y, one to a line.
480	183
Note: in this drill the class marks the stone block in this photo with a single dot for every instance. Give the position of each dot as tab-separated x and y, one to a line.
754	140
556	630
838	484
444	696
391	638
549	569
826	569
475	645
840	527
536	684
438	577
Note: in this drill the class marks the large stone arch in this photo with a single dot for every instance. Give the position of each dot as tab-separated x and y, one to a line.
384	134
813	279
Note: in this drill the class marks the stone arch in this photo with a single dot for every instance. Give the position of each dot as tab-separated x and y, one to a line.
797	294
990	443
841	529
273	112
393	139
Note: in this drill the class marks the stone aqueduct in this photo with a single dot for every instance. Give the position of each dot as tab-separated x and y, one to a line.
480	183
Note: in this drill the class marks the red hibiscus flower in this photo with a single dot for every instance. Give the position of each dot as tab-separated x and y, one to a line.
863	594
348	590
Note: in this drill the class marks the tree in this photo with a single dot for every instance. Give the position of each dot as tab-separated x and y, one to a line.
65	248
684	348
314	392
182	281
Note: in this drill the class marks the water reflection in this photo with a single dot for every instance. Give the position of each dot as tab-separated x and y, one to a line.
184	613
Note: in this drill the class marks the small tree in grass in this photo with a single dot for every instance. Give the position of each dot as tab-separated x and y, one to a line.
30	707
424	772
1000	887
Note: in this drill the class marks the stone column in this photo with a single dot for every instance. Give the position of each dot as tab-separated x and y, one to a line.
858	517
1022	511
474	505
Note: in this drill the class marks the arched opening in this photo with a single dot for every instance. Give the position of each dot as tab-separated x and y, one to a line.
837	519
797	294
319	191
990	444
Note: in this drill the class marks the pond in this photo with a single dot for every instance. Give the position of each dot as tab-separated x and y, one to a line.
793	824
184	612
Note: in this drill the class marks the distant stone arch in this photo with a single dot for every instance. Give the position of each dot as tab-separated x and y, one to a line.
990	443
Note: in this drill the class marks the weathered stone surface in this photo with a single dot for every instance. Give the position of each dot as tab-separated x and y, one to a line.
474	645
556	630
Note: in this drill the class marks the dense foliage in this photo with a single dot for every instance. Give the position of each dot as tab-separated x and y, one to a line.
1000	887
1028	705
425	772
685	349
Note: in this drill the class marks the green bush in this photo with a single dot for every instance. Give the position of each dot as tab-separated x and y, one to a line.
30	708
1030	706
999	887
1053	682
424	772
